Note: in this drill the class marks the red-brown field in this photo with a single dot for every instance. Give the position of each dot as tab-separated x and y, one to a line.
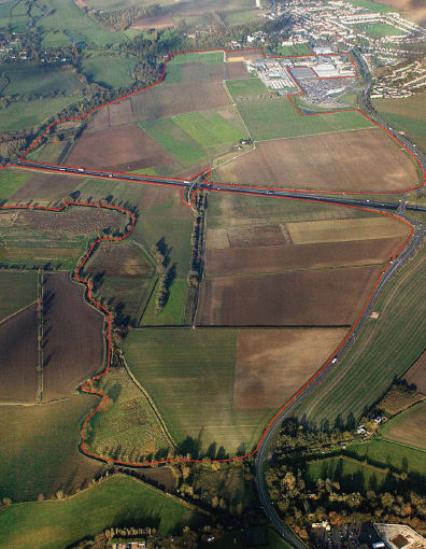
236	71
19	357
362	160
275	258
272	364
45	188
73	339
169	100
301	298
417	374
201	72
120	148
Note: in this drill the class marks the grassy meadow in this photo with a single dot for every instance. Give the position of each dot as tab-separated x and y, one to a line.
115	71
118	501
277	118
10	182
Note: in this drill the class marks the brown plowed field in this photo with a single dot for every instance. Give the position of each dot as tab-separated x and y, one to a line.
120	148
74	345
417	374
19	357
236	71
362	160
202	72
302	298
272	364
169	100
264	259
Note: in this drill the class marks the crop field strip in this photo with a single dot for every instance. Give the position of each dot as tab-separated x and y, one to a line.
147	99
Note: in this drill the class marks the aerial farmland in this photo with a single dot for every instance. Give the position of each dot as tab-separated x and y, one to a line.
211	273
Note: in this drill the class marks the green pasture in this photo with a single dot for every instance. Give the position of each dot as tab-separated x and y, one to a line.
246	88
173	314
66	24
192	137
17	289
407	115
189	374
39	451
349	472
115	71
405	428
30	80
211	57
10	182
277	118
378	30
21	115
295	49
118	501
371	5
389	453
386	348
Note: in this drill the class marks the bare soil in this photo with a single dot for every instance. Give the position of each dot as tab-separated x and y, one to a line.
73	340
236	71
19	357
417	374
120	148
273	364
362	160
301	298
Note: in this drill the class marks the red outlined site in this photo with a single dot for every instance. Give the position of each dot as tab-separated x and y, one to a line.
37	141
88	385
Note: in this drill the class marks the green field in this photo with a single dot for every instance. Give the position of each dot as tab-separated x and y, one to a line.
371	5
189	374
408	427
10	182
296	49
386	348
352	474
21	115
392	454
173	314
277	118
193	137
66	24
35	81
213	57
115	71
407	115
17	289
378	30
116	501
39	452
246	88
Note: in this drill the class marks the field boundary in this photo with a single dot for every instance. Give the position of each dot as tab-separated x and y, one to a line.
207	171
88	385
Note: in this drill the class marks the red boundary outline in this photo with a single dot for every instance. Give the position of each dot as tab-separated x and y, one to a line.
35	143
86	386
